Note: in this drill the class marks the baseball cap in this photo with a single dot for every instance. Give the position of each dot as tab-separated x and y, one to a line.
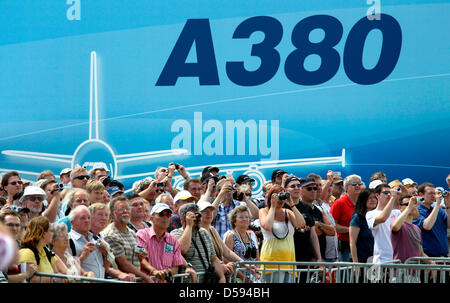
141	183
244	179
337	179
209	169
204	205
306	181
159	207
408	181
375	183
32	191
395	183
99	165
277	172
65	171
114	190
183	195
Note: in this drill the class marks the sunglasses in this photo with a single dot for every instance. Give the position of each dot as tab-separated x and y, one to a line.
82	177
311	188
16	182
159	190
295	185
248	194
386	192
33	199
165	214
404	204
357	183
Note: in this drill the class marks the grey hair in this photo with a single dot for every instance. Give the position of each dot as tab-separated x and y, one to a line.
58	228
68	198
348	178
74	212
161	196
113	202
233	214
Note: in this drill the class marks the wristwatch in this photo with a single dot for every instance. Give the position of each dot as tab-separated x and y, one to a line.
320	225
189	265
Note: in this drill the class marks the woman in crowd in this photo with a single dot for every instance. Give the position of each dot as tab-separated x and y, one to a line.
240	239
37	236
226	255
361	238
60	245
278	226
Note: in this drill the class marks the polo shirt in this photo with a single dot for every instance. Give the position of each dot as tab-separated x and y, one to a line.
434	241
342	211
122	243
162	252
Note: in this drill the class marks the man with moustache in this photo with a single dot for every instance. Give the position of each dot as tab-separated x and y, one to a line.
123	241
163	248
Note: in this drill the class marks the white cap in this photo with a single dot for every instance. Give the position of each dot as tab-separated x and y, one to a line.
375	183
408	181
184	195
159	207
31	191
65	171
204	205
99	165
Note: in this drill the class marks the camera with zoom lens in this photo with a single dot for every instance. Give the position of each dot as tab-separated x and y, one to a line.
283	196
198	216
234	186
444	193
97	243
398	188
140	249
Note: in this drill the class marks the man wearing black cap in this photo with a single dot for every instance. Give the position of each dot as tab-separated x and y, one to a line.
277	176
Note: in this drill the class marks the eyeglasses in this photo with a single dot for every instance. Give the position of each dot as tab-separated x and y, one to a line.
243	217
33	199
123	208
311	188
295	185
82	177
16	182
357	183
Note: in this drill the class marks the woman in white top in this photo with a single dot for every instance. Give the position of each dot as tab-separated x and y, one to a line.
278	224
61	248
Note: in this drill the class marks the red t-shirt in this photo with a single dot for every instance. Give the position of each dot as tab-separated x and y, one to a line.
342	211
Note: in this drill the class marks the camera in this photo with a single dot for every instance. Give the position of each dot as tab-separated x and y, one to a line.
444	193
198	216
177	166
161	184
420	199
234	186
60	186
97	243
169	277
398	189
283	196
140	249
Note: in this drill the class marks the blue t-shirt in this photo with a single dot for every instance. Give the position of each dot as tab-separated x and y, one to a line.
365	240
434	241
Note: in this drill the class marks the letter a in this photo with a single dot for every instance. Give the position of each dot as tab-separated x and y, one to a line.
74	12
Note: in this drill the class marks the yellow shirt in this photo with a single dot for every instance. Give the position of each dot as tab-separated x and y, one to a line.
26	255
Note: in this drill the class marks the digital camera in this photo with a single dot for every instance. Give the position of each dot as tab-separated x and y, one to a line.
283	196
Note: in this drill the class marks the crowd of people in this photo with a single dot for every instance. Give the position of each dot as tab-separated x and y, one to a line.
85	224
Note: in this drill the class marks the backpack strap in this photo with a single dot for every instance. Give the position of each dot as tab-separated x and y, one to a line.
72	247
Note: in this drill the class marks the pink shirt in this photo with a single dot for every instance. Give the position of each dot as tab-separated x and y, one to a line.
161	253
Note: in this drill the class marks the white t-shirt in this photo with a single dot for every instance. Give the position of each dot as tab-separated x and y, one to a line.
382	250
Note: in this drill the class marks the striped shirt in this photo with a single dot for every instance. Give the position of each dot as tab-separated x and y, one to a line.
161	253
221	222
122	243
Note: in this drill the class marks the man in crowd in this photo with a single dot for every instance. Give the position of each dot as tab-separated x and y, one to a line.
342	211
79	177
64	176
379	221
433	221
163	249
95	190
123	241
137	215
194	186
180	199
74	197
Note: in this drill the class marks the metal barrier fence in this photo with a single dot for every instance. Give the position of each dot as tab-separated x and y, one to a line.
345	272
59	278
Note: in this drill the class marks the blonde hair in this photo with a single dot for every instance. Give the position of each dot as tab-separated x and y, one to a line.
93	185
76	170
233	214
98	206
